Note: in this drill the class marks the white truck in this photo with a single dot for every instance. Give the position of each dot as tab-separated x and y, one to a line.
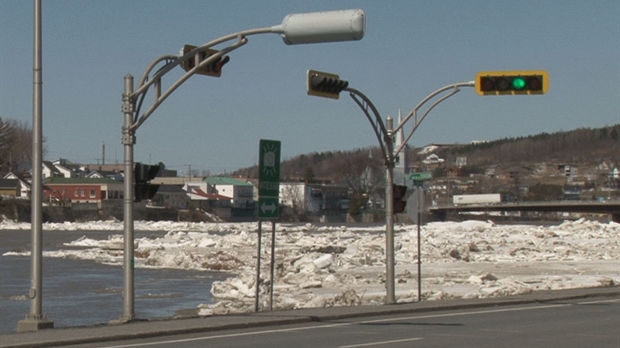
485	198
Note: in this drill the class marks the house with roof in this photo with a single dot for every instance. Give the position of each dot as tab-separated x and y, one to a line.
225	197
170	196
9	187
82	190
114	175
24	185
433	159
49	170
241	193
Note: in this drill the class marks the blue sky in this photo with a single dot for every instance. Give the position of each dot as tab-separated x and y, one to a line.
411	49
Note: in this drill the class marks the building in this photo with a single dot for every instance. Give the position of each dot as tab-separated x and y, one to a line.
170	196
9	187
241	193
224	197
24	185
82	190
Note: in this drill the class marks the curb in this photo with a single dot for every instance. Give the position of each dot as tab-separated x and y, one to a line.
164	327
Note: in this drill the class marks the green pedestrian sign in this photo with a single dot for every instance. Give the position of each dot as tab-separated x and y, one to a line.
269	179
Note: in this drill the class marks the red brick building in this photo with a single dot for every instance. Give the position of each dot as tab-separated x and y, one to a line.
82	190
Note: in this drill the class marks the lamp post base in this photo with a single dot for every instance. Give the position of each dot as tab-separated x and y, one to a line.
34	323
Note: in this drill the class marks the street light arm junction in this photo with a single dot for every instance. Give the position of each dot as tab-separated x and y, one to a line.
145	83
455	89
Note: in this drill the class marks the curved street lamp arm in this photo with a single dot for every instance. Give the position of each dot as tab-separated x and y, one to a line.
144	82
455	89
172	61
418	122
378	126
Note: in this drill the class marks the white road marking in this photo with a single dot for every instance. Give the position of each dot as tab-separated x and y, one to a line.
382	342
350	324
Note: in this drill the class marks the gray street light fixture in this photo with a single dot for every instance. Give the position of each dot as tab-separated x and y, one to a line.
301	28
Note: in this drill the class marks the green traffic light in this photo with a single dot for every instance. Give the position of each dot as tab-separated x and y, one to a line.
518	83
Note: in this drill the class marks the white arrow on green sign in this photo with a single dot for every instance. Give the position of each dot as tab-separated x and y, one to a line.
268	208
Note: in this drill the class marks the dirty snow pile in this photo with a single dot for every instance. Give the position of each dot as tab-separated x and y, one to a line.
317	266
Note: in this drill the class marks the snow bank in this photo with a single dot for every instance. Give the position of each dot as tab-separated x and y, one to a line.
318	266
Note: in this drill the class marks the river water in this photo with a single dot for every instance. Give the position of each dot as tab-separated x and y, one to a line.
79	293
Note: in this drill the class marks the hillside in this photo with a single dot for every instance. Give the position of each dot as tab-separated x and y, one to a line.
581	147
526	161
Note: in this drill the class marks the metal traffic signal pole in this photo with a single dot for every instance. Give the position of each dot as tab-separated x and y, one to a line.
519	82
329	85
385	136
301	28
128	140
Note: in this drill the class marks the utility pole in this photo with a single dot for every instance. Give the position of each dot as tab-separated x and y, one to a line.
36	320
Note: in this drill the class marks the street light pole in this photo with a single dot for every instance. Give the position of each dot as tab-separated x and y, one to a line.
390	288
128	140
329	85
301	28
36	319
385	135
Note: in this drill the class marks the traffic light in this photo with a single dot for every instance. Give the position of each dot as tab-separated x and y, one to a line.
212	69
322	84
516	82
143	173
398	197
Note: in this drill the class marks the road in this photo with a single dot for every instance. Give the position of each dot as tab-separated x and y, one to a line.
577	323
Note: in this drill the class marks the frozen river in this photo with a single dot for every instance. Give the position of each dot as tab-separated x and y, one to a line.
178	265
82	292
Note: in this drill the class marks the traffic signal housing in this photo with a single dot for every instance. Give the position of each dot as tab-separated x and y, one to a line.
398	198
517	82
143	174
322	84
212	69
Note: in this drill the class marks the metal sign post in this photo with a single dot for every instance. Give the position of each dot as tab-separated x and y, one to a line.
268	204
260	233
418	183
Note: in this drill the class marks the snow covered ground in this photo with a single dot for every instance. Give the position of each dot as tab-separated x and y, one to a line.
345	265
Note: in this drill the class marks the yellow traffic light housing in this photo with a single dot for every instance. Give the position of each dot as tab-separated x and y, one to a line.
516	82
212	69
322	84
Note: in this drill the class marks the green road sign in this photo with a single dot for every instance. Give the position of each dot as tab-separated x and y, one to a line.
269	179
268	208
420	176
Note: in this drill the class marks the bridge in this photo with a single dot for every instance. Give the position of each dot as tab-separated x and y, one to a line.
592	207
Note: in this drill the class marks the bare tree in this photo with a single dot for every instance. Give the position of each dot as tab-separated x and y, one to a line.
294	194
363	173
15	146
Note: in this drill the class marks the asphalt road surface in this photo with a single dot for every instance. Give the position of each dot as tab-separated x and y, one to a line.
591	322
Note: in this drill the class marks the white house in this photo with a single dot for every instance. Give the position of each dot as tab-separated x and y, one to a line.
433	159
24	186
